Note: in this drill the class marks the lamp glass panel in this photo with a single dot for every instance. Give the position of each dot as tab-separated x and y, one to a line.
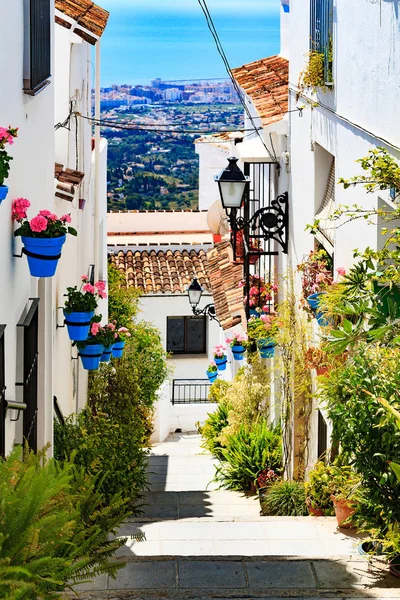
194	296
232	193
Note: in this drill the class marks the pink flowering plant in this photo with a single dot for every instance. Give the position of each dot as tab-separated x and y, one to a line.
237	339
260	294
44	225
316	274
84	299
121	334
7	136
219	351
212	367
99	334
264	327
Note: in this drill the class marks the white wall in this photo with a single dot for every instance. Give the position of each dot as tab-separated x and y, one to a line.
213	159
168	418
31	176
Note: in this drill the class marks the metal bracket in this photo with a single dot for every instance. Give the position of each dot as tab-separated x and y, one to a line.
19	255
208	311
57	325
12	405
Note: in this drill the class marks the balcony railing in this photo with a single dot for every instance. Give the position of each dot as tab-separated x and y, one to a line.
190	391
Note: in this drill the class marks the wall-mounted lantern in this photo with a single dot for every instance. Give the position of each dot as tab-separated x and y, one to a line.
195	292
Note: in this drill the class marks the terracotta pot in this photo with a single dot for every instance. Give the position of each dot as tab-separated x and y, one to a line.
314	512
343	511
321	370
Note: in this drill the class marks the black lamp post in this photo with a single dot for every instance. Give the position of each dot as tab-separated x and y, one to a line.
195	292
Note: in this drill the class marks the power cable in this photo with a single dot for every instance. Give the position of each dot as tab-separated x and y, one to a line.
221	52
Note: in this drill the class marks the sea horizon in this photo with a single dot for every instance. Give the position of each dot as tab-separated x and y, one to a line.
173	43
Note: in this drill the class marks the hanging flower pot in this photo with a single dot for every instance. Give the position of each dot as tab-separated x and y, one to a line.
254	313
3	192
266	347
238	352
221	363
43	254
106	356
212	375
314	302
43	237
78	325
118	349
90	356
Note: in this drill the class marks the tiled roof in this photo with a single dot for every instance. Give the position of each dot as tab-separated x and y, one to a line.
155	271
266	81
67	181
87	14
225	277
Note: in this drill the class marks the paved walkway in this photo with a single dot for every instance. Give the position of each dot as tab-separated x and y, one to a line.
194	541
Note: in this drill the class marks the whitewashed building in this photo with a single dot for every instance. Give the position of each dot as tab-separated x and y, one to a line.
44	66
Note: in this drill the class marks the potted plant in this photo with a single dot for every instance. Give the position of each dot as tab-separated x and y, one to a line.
108	342
6	137
80	306
319	490
260	295
43	237
265	478
220	357
120	336
238	344
317	276
316	358
91	350
344	483
212	371
263	331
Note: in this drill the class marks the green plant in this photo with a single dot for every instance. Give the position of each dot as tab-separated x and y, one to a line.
219	390
384	172
212	367
316	275
54	528
285	498
44	225
6	137
264	327
212	428
319	488
249	451
367	440
122	299
85	298
98	335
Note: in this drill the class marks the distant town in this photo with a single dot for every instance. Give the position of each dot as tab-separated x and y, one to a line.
152	163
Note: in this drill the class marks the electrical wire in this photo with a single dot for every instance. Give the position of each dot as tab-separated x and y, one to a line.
221	52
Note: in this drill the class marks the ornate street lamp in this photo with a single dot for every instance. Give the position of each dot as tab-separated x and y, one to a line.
232	185
195	292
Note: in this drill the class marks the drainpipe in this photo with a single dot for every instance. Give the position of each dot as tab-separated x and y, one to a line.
97	165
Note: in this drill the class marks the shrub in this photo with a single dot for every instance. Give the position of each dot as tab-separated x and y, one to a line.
54	528
368	440
285	498
211	430
122	300
248	452
109	448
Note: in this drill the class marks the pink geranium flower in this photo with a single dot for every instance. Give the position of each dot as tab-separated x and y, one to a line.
66	219
94	330
100	285
19	208
38	224
102	295
84	278
45	213
88	288
341	271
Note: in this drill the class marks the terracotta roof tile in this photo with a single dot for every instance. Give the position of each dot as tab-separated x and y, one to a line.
87	14
67	181
266	81
162	271
225	276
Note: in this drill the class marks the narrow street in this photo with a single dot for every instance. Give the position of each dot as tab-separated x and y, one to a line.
194	541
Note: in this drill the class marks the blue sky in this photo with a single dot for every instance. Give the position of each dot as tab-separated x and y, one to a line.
192	5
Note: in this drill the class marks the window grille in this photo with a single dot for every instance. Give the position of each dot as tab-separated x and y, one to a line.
37	45
30	325
2	393
321	31
186	335
190	391
322	435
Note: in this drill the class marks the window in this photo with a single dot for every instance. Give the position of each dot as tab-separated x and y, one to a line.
37	45
186	335
321	33
29	385
322	435
2	393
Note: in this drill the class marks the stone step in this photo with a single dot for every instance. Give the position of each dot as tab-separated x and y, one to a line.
244	577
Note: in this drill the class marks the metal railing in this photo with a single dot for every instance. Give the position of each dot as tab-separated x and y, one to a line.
190	391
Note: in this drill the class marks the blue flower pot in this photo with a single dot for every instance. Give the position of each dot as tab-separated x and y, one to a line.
238	352
43	254
118	349
78	325
254	313
105	357
313	301
90	356
212	376
3	192
221	363
266	348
